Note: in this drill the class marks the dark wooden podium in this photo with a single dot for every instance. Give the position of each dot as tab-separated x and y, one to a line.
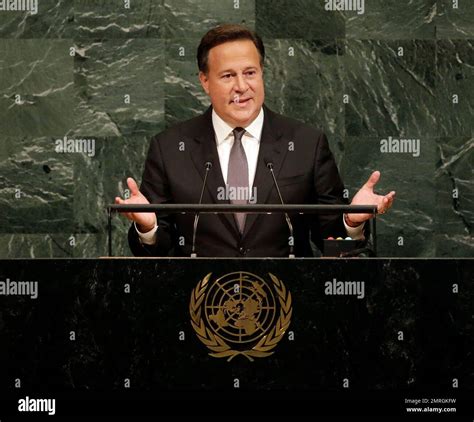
126	328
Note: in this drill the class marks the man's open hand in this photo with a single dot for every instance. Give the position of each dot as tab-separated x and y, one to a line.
145	220
367	196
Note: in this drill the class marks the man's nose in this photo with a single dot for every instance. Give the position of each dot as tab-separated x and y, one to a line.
241	84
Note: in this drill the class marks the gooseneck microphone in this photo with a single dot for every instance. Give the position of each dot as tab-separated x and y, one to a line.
287	218
208	166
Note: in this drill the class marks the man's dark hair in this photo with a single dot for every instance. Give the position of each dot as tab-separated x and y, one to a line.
222	34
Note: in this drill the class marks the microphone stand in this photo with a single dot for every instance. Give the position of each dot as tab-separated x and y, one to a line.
208	166
287	218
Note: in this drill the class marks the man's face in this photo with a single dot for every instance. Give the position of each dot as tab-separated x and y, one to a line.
234	82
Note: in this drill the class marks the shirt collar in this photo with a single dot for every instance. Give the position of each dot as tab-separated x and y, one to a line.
223	130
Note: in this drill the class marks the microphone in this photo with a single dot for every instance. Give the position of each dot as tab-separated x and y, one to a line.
288	221
208	166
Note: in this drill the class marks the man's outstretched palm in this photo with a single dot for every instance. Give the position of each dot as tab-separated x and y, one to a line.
367	196
145	220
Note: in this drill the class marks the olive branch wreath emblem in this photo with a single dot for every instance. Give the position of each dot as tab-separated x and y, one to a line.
219	348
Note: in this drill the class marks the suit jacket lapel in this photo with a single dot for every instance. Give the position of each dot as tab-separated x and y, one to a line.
203	149
272	149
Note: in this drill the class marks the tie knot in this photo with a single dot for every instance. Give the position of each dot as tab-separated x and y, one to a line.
238	133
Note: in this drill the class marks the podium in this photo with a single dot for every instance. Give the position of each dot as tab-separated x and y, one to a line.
105	332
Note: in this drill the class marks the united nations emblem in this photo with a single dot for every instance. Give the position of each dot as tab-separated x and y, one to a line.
240	314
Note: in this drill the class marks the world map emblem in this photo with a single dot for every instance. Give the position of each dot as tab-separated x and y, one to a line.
240	313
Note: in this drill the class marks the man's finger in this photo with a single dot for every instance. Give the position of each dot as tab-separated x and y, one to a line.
385	204
128	215
389	199
373	179
132	185
119	201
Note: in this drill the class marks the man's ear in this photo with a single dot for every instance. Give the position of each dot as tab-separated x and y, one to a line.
204	82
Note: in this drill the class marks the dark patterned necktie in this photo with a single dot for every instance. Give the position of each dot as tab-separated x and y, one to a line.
238	174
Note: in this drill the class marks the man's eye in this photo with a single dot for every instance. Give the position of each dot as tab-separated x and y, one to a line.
226	76
251	73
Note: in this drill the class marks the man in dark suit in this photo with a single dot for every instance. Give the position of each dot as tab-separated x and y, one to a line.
239	136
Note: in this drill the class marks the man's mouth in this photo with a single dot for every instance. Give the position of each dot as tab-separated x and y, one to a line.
240	101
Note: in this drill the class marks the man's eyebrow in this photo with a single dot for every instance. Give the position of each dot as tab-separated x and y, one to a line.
226	71
233	71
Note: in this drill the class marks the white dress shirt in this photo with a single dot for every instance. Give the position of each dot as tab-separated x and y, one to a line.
251	144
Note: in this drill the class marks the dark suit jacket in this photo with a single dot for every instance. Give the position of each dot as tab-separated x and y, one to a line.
306	174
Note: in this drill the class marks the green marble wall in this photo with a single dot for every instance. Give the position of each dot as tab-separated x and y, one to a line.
340	70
